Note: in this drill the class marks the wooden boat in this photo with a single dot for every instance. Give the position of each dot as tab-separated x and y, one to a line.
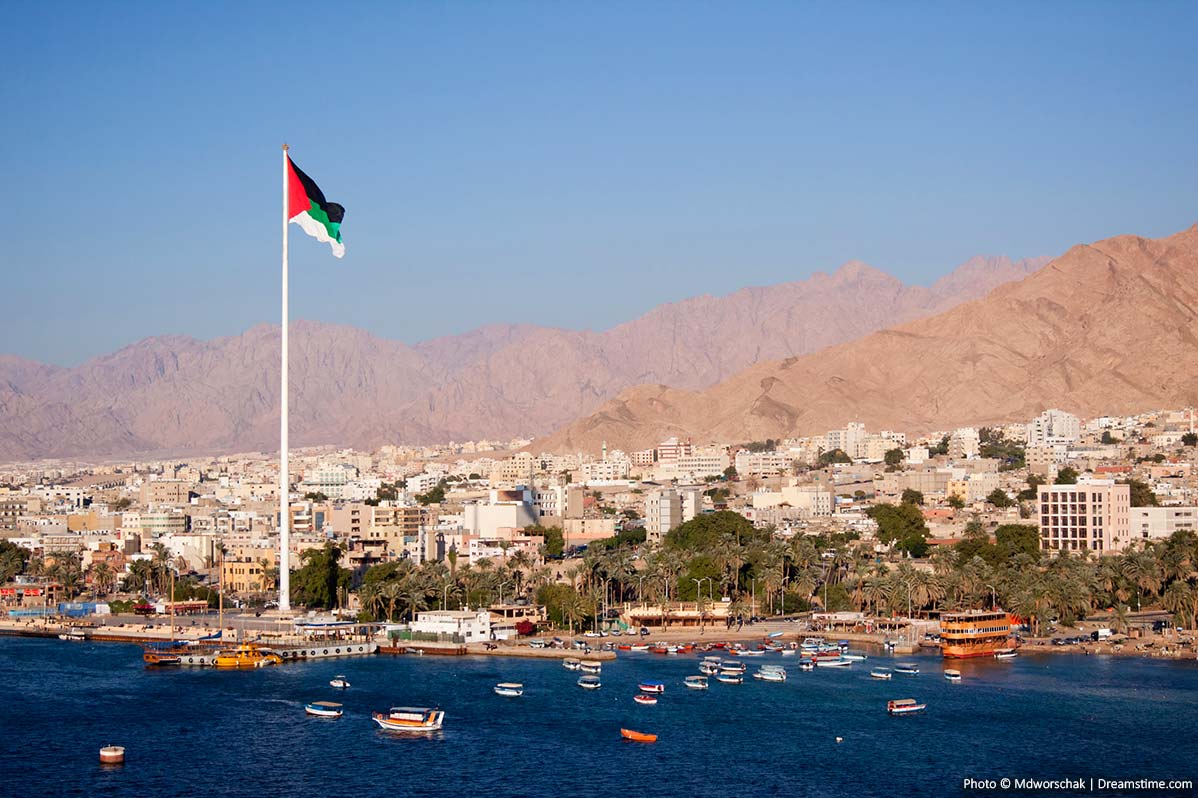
695	682
509	689
246	655
159	654
832	663
729	678
1006	653
642	698
952	675
323	709
904	706
652	687
638	737
340	682
907	668
589	682
409	719
590	667
571	663
975	633
623	647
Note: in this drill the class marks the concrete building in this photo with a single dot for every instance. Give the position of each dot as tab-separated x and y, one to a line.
807	500
1093	515
1157	523
663	512
761	464
463	626
1053	428
506	509
165	491
964	444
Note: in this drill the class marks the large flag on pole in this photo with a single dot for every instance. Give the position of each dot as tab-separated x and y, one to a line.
307	207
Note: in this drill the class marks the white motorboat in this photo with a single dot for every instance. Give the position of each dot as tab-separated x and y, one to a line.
340	682
509	689
952	675
589	682
695	682
1005	653
833	663
906	668
771	674
323	709
729	678
587	666
571	663
880	673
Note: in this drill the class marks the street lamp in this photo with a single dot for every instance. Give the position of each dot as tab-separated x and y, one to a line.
445	595
640	587
699	596
502	585
782	596
753	603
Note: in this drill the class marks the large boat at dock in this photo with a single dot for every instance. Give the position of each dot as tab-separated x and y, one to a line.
977	633
246	655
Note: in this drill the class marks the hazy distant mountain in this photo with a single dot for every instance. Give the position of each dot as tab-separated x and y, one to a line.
176	394
1106	328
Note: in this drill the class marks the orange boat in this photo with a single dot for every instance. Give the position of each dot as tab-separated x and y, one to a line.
638	737
977	633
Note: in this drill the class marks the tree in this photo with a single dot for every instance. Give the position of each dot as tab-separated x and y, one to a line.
940	448
956	502
1107	439
1141	494
730	473
1032	492
911	496
833	456
1067	476
894	457
386	493
316	496
13	559
1190	439
316	584
999	498
1015	539
902	525
123	503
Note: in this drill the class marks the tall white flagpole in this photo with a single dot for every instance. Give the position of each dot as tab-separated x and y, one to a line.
284	475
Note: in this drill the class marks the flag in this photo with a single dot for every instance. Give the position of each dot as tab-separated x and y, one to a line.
309	209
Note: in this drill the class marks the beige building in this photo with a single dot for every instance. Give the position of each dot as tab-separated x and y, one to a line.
1093	515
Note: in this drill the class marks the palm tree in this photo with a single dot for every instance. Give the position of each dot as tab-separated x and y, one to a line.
103	577
391	592
1181	600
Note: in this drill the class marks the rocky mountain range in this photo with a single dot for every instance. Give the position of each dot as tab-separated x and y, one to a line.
176	395
1108	327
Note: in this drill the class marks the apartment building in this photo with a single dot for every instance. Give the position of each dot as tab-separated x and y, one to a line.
761	464
1093	515
1053	428
1157	523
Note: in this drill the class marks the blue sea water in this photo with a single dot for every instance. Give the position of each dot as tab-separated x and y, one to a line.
199	732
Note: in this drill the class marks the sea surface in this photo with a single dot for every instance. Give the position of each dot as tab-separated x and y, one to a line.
199	732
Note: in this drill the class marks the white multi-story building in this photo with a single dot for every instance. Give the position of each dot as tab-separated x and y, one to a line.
1093	515
761	464
1053	428
1156	523
807	500
609	470
506	510
668	508
327	479
847	440
964	444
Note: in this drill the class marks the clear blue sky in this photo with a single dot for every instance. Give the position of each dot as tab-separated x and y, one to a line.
571	164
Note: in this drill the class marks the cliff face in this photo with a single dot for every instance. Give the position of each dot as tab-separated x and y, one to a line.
1106	328
176	394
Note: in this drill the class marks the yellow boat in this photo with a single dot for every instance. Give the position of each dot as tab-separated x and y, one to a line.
246	655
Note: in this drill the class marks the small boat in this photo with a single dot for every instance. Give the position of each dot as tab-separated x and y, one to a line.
806	665
409	719
340	682
571	663
510	689
832	663
695	682
771	674
880	673
652	687
75	635
758	653
161	657
1005	653
638	737
709	668
789	652
590	667
642	698
623	647
907	668
730	678
589	682
952	675
246	655
851	657
728	666
323	709
641	647
775	635
904	706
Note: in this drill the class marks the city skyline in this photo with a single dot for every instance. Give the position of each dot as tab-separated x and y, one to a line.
527	151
